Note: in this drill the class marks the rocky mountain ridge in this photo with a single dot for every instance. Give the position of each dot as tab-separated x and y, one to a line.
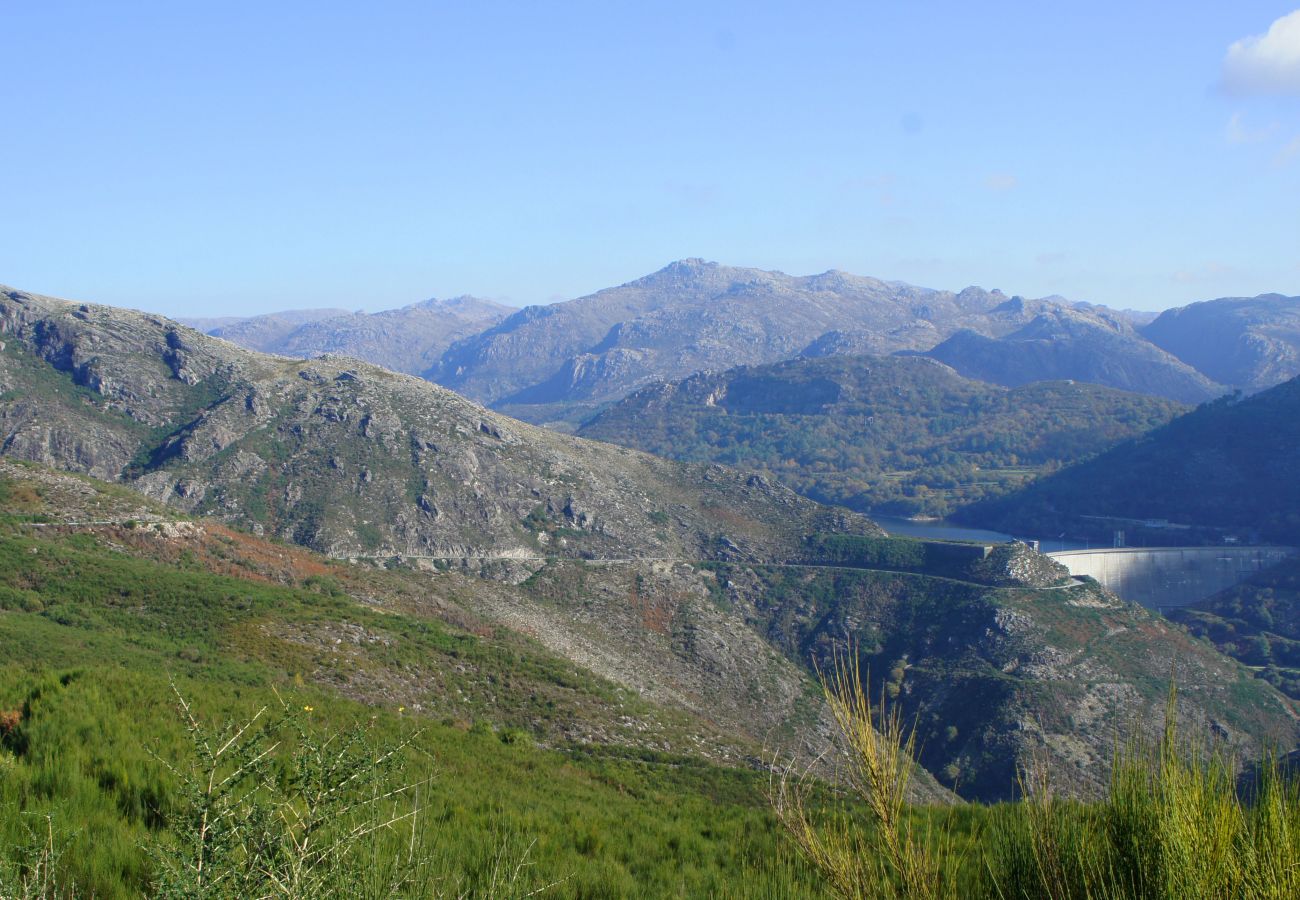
1059	343
692	316
557	364
1247	343
351	459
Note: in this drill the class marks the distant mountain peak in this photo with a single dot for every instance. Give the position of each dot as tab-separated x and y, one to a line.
462	303
689	267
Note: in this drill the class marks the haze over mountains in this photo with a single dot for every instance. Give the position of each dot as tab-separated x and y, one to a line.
1246	342
409	339
557	364
1062	343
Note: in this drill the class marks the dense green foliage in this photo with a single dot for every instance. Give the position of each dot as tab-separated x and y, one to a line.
899	435
938	558
93	748
1257	622
1229	467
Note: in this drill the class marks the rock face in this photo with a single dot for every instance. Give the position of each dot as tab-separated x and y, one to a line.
410	339
1073	344
996	678
1250	343
351	459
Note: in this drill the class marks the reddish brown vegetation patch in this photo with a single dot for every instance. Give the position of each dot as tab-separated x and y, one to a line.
655	608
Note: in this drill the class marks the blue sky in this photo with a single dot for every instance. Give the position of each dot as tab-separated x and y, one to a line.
232	158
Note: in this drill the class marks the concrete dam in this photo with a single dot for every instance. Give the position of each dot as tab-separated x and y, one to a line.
1164	577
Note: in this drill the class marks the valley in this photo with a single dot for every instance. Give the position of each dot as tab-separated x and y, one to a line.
180	510
494	451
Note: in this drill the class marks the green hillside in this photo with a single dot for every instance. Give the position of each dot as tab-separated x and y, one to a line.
95	623
1228	468
897	435
1257	622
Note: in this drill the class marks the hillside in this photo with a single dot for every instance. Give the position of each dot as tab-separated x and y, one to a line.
1256	622
898	435
1251	343
714	660
532	758
351	459
1228	468
1069	344
706	592
550	363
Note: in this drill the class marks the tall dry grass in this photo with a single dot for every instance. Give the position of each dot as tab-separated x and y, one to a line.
1174	824
884	854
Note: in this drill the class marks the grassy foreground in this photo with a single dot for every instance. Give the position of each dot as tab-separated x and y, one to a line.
176	721
98	781
100	768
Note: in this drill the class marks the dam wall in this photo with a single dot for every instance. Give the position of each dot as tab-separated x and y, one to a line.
1164	577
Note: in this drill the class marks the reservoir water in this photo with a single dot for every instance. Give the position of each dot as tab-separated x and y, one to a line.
943	530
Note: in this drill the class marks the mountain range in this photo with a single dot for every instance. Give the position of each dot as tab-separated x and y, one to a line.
558	364
410	339
712	593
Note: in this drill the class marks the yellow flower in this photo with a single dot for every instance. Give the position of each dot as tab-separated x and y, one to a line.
307	708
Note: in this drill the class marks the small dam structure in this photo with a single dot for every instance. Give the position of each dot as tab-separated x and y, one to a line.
1167	577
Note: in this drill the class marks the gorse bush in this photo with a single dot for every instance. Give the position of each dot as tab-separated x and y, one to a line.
1173	824
274	808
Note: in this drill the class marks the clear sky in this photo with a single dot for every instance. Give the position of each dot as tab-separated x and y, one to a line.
234	158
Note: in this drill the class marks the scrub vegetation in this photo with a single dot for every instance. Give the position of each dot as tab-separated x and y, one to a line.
895	435
1173	824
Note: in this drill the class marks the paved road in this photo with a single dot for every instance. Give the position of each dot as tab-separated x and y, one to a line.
630	560
612	561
